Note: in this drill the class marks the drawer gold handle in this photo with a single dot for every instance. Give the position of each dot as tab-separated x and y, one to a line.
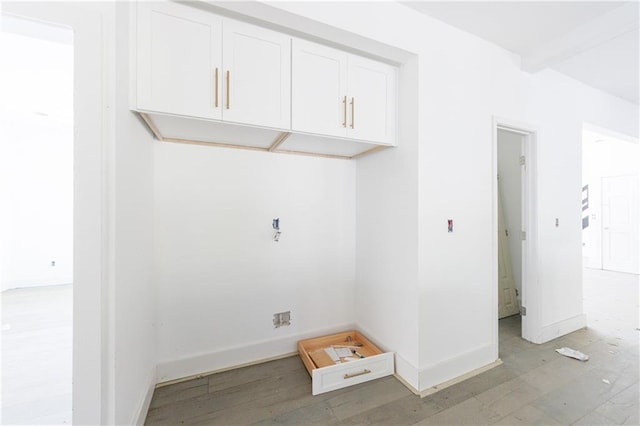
350	376
353	113
344	123
228	88
216	87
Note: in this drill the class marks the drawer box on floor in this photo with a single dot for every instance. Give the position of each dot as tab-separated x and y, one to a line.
327	374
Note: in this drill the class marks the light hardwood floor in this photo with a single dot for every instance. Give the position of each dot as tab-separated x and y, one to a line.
535	385
36	355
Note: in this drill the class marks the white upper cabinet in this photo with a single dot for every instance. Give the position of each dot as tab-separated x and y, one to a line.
319	89
178	53
257	75
338	94
372	100
193	63
202	77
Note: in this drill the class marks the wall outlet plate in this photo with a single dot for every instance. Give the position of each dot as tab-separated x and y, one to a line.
282	319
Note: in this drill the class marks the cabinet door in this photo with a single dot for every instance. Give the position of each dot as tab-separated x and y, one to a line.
178	53
318	89
257	75
372	100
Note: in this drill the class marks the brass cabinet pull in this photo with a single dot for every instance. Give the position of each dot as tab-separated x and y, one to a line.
349	376
215	84
344	104
227	89
353	113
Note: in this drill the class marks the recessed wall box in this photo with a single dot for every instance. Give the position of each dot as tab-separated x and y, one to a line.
281	319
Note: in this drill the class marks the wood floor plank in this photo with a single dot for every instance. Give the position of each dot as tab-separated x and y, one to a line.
179	387
263	408
36	357
404	411
315	414
226	379
253	386
177	396
366	396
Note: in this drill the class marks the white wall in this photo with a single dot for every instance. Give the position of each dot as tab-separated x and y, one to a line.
510	170
36	155
387	238
456	94
560	106
468	81
219	275
133	292
463	82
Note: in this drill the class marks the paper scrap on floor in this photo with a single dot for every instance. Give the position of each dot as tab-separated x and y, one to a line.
572	353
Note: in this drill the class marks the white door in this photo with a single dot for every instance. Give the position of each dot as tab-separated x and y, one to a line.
507	299
371	100
179	58
257	75
620	219
318	89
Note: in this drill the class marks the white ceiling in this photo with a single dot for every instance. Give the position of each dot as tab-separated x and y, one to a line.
595	42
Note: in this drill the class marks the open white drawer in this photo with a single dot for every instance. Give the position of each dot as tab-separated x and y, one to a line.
328	374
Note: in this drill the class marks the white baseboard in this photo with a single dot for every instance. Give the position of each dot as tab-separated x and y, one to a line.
224	359
233	367
408	374
143	409
560	328
461	365
459	379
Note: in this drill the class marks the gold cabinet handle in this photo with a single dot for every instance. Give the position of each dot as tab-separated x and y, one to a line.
228	88
352	375
215	84
344	105
353	113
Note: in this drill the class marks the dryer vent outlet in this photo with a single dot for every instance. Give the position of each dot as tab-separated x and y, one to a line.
281	319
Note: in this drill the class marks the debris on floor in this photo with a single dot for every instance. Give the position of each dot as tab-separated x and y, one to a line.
606	381
572	353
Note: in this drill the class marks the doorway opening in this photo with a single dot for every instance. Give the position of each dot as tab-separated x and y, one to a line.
510	229
610	229
610	201
514	230
36	220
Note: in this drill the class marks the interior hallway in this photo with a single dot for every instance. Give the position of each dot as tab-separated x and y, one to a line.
535	385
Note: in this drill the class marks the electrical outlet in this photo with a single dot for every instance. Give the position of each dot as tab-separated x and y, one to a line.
281	319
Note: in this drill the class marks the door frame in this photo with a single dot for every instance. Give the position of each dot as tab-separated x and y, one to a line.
530	297
89	373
